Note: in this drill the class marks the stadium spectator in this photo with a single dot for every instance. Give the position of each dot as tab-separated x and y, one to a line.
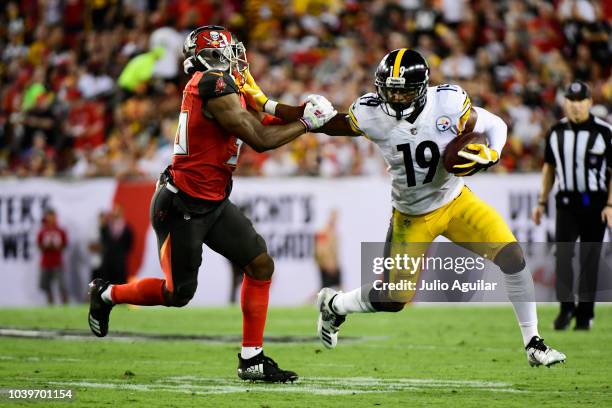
326	253
236	282
116	239
94	246
65	65
280	163
168	38
140	69
52	240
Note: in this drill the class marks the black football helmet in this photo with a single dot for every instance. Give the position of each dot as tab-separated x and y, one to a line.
401	82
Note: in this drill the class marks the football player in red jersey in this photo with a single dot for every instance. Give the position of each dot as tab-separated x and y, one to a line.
191	204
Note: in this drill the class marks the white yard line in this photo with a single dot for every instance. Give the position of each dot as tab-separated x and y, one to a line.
442	347
311	385
56	334
42	359
81	360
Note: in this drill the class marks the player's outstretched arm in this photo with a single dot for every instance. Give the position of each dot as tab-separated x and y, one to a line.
228	111
338	126
258	101
238	121
343	124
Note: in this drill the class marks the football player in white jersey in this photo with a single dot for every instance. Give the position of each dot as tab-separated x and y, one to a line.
412	124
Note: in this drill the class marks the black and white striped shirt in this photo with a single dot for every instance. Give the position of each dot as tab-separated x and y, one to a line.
581	154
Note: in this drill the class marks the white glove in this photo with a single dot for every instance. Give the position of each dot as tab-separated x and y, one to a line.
480	154
318	100
317	112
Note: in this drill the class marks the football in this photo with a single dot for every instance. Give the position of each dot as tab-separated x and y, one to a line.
451	158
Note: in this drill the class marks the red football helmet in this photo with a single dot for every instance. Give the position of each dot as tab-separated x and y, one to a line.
214	47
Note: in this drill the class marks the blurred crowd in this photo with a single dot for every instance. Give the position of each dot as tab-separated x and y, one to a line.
92	87
108	249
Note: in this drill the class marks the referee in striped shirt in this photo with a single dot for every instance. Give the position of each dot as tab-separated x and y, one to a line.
579	154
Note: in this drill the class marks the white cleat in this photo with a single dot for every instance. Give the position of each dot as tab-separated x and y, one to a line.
329	322
539	353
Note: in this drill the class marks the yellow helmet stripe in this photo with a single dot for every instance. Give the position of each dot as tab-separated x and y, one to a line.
398	62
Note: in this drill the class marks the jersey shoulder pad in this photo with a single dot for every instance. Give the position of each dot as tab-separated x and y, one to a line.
362	110
213	84
452	107
452	100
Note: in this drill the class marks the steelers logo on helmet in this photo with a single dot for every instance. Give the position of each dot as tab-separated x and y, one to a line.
443	123
401	82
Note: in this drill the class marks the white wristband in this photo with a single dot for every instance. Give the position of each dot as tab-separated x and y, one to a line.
270	107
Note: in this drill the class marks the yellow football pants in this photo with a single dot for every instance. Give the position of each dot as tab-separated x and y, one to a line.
467	221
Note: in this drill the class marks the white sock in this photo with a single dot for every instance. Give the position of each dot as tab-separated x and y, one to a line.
106	295
352	302
250	352
520	291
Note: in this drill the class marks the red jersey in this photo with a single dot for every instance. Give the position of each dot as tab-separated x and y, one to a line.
205	155
51	241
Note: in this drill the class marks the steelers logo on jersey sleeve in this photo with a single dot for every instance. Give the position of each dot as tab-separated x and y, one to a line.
443	123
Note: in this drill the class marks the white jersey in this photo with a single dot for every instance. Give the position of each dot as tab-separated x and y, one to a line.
414	151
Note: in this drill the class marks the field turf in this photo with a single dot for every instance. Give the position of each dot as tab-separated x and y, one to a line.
423	356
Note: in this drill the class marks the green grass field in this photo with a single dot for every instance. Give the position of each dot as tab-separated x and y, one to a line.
423	356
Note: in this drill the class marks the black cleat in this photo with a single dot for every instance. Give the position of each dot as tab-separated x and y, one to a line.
263	368
583	324
584	316
563	320
99	310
